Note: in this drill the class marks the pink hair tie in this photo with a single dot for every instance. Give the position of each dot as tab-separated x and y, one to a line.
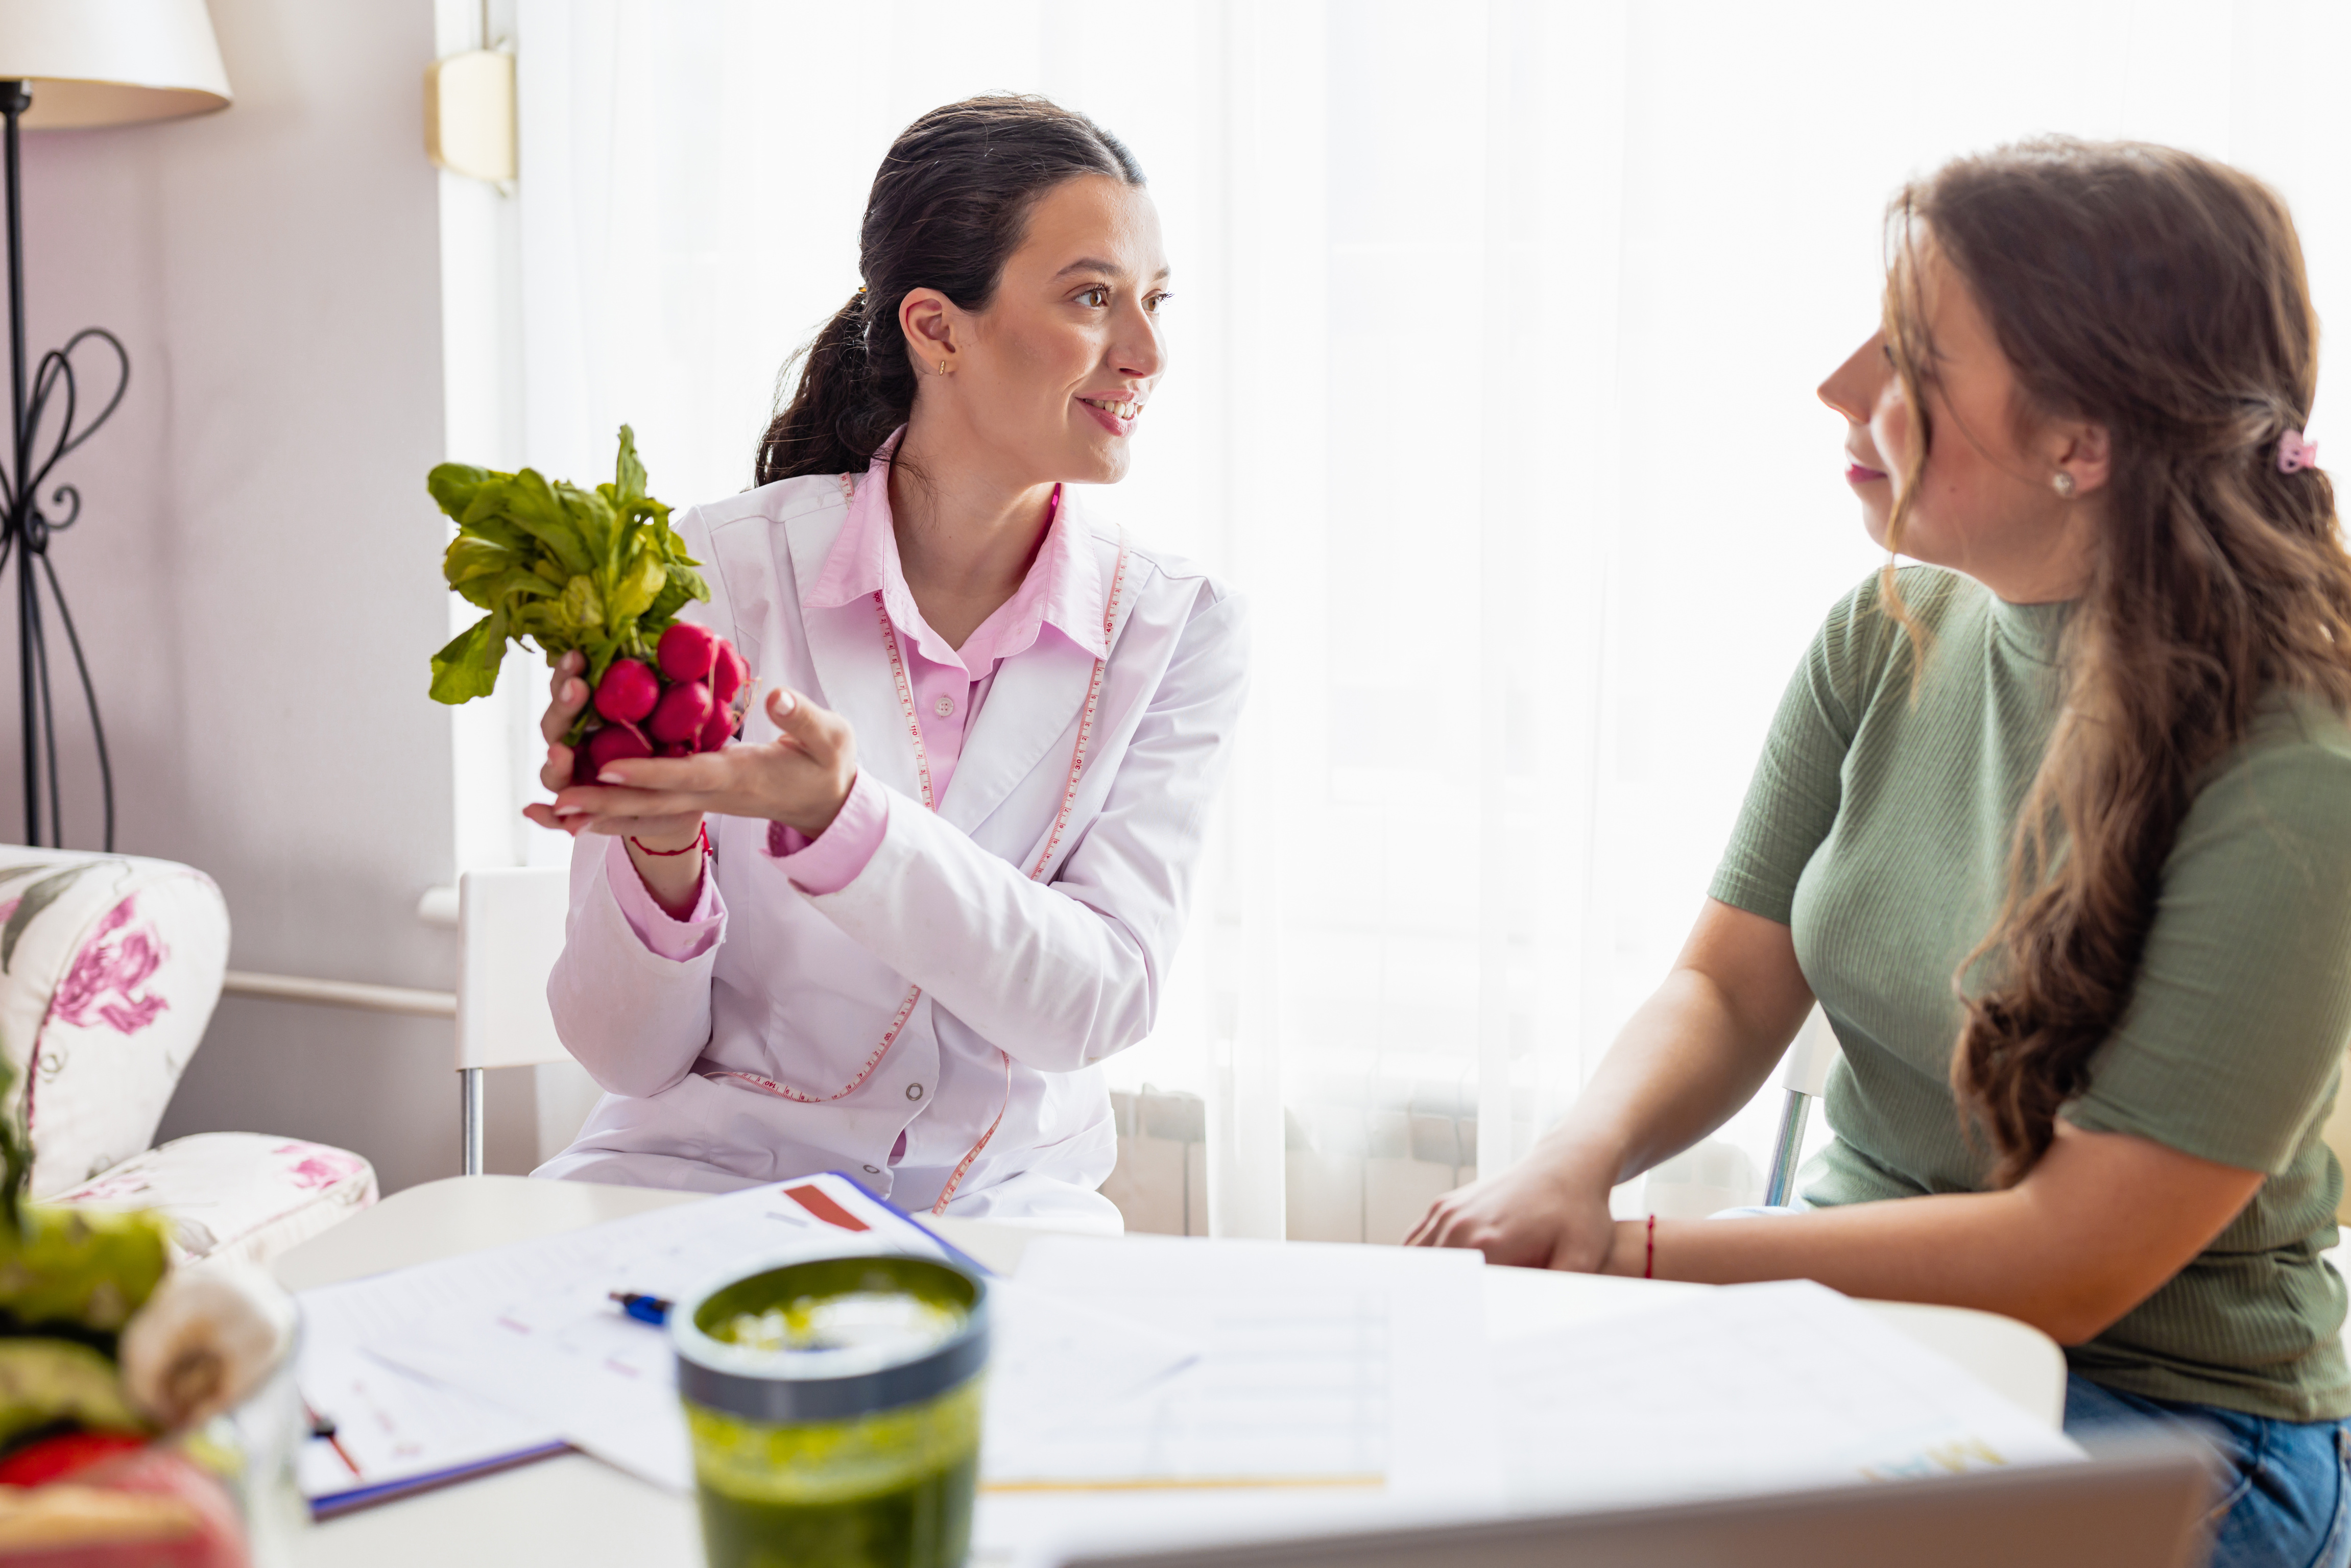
2295	454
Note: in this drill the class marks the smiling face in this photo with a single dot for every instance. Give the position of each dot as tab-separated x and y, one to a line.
1051	380
1987	502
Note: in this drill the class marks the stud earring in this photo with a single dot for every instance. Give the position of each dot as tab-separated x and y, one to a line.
943	367
2062	483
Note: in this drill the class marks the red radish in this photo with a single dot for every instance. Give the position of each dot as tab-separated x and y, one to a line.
62	1454
687	650
616	743
727	675
677	749
718	731
628	691
682	711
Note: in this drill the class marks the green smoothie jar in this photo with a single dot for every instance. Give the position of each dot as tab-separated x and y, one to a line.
835	1408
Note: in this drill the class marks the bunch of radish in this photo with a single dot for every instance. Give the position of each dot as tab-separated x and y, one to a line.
684	702
599	570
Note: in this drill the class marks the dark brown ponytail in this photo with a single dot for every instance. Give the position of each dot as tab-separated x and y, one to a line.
2162	296
948	209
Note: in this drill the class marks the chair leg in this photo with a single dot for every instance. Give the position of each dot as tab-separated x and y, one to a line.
1787	1148
470	1123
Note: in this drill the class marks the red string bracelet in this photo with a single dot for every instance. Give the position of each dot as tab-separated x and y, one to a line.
1650	1264
701	842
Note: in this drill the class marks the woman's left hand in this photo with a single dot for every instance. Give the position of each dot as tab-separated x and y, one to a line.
801	779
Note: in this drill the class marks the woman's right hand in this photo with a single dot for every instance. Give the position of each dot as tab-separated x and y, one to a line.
1536	1214
570	695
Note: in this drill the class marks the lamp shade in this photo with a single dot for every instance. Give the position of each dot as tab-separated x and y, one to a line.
112	62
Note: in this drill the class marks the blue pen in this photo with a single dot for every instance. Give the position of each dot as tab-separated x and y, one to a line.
645	1309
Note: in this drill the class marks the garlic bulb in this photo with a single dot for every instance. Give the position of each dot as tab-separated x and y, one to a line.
205	1339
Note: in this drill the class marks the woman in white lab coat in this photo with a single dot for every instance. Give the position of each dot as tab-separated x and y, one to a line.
893	930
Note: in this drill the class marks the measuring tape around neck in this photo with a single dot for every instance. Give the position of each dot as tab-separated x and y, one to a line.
906	1010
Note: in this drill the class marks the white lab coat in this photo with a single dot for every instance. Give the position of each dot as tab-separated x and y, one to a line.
1055	975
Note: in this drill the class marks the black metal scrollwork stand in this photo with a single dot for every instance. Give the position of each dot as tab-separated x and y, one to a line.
26	530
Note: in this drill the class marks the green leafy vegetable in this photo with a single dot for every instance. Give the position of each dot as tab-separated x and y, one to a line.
599	570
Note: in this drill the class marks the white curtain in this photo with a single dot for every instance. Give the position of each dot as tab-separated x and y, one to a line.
1494	340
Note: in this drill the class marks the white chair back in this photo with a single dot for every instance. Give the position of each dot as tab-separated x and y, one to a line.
1805	1069
1803	1073
509	932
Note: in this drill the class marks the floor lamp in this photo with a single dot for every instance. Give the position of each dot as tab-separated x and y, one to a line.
65	64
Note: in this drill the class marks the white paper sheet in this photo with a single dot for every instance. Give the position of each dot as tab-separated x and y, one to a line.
393	1426
609	1383
1748	1388
1335	1384
529	1331
539	1335
1054	1360
1320	1364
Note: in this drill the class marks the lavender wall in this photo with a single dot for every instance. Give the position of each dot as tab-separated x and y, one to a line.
254	576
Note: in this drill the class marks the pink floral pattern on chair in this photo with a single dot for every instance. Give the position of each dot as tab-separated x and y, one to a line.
108	973
243	1196
320	1165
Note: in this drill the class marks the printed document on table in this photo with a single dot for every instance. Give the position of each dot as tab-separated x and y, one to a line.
531	1327
1335	1385
551	1349
1318	1365
394	1433
1748	1388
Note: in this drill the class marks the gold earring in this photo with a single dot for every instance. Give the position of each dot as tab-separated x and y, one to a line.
2062	483
943	367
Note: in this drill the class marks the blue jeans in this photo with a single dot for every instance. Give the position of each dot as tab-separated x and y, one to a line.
2286	1498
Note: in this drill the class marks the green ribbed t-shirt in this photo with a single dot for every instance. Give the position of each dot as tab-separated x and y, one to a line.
1878	827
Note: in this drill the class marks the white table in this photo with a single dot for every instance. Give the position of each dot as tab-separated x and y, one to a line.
578	1512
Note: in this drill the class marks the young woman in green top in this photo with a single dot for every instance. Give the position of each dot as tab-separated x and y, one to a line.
2057	830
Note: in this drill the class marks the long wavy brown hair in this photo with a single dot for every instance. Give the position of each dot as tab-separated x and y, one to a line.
2162	296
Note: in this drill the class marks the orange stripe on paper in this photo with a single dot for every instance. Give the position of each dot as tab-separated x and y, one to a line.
819	1202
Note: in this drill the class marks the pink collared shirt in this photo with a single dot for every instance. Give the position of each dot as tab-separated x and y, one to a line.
1064	590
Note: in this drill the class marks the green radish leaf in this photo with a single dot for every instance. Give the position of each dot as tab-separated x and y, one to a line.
527	585
497	531
489	504
558	567
592	515
634	593
469	559
533	506
468	666
38	897
628	471
679	584
581	606
469	554
454	485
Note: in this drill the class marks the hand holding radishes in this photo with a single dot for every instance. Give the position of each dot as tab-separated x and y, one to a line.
799	779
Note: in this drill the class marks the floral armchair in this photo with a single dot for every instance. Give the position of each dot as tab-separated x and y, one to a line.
109	968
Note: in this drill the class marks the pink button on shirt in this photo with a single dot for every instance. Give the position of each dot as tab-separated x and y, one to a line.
1064	590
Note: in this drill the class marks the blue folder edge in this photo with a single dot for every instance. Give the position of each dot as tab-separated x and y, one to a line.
955	1253
333	1504
340	1502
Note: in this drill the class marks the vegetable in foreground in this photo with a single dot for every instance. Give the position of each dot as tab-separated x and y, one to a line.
112	1361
